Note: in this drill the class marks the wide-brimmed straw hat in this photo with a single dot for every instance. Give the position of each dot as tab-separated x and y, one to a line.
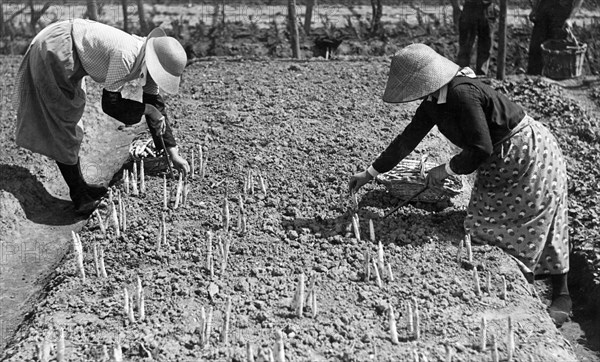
165	59
416	71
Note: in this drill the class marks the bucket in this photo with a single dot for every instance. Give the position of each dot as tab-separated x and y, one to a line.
562	59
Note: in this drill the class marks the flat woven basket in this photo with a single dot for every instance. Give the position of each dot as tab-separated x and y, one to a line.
408	177
154	160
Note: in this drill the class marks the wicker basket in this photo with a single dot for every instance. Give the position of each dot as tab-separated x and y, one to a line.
563	59
408	177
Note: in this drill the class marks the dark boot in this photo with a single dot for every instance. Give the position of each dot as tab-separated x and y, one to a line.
95	191
83	202
560	309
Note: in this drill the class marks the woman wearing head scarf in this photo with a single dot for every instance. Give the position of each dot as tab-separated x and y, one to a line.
50	92
519	200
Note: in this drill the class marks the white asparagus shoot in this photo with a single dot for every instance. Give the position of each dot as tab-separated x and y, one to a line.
138	290
410	319
390	273
380	258
96	260
377	276
208	327
511	340
225	331
142	306
488	282
185	192
503	294
200	163
165	193
469	248
417	316
461	246
279	347
124	218
126	182
300	296
392	324
179	190
367	275
100	222
126	302
495	356
313	305
263	184
115	219
356	226
117	353
483	341
78	248
134	180
102	267
225	215
193	166
142	177
60	347
130	314
249	352
476	281
371	230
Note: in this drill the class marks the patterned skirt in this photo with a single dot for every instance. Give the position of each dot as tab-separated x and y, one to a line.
519	200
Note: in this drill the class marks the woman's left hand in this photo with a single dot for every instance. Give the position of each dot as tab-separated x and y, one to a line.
179	162
436	176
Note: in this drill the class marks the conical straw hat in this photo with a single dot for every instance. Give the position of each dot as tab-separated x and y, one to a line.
416	71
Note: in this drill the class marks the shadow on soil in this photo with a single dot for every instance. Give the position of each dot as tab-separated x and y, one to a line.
38	205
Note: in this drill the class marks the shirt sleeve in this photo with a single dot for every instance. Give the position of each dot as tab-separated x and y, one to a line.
466	101
405	142
157	101
124	110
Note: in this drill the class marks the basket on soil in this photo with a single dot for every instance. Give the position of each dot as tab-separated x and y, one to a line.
154	160
408	177
563	59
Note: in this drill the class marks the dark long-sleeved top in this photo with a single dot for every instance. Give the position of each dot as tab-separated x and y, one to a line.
129	112
474	118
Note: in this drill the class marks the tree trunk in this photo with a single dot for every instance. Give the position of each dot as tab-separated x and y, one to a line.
308	16
502	39
1	19
293	26
377	10
142	14
455	12
125	17
92	10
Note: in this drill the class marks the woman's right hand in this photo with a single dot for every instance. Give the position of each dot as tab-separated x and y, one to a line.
157	120
358	180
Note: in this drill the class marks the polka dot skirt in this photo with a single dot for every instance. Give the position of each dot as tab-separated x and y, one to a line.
519	200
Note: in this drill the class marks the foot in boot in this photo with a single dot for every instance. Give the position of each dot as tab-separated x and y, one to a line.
84	204
560	309
96	191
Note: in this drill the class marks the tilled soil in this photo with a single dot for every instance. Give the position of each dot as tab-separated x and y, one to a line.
305	127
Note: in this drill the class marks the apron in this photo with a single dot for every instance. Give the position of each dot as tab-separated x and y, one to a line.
519	200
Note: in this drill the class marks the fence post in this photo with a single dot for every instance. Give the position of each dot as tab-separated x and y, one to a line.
293	24
502	40
308	16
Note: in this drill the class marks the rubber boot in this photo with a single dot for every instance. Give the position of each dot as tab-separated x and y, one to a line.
95	191
560	309
83	202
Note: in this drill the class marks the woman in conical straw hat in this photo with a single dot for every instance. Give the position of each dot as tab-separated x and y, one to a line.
50	92
519	200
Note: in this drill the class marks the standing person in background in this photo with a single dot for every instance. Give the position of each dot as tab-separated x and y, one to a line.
551	18
477	20
50	92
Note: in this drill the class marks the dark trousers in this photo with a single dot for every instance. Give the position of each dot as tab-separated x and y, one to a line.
549	23
474	23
